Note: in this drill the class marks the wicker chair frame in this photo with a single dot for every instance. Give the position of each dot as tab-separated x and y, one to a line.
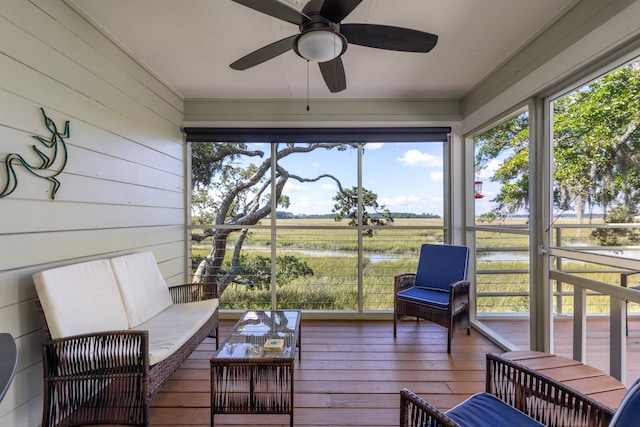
454	317
417	412
105	378
540	397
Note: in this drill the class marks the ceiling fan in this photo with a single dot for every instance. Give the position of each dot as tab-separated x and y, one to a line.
323	39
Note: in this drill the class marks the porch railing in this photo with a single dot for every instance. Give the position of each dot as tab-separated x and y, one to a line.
581	273
352	274
493	263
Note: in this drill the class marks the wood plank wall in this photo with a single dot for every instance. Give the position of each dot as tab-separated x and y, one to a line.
123	187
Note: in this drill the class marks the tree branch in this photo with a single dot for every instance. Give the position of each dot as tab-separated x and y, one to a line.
317	178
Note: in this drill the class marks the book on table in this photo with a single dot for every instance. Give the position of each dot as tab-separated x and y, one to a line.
274	344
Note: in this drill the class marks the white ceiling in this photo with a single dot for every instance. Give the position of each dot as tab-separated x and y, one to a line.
189	44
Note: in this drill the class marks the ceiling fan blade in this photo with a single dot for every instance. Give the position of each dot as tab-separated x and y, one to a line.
333	74
264	54
337	10
387	37
276	9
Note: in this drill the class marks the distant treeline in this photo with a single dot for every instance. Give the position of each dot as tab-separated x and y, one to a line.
289	215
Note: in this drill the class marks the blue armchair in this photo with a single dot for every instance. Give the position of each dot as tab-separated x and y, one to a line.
438	291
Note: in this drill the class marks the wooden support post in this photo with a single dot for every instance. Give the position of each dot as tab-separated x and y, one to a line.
579	324
618	339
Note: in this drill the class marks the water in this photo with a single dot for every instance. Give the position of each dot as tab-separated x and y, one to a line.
482	257
373	258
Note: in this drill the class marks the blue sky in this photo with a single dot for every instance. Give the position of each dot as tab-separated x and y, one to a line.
407	177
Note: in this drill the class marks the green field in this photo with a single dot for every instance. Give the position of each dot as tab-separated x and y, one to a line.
330	249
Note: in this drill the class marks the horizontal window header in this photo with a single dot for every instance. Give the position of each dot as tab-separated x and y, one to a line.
400	134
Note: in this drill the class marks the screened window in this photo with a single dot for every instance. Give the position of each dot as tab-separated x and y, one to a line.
501	217
349	215
596	181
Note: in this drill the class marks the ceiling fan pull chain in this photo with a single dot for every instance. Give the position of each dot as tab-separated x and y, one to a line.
308	85
334	67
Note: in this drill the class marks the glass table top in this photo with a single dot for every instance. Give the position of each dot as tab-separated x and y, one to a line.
255	328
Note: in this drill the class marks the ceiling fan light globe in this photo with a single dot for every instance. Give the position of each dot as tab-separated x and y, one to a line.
320	45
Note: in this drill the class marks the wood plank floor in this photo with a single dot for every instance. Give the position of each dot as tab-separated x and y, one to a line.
350	374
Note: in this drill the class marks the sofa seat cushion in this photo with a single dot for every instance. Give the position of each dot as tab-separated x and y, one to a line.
80	299
171	328
486	410
425	296
143	289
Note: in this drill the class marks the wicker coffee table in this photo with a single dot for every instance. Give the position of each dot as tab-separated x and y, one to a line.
246	378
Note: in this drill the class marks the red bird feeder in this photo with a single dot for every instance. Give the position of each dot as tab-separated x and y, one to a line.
478	192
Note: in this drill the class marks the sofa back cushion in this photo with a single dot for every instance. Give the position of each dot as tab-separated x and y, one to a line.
441	265
80	298
143	289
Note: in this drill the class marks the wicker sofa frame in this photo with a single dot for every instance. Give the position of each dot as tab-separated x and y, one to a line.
81	388
540	397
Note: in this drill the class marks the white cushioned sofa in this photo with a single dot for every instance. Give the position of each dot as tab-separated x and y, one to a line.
113	334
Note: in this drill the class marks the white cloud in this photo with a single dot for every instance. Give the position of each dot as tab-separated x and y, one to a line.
490	169
416	158
303	202
329	187
436	176
400	201
373	145
324	203
292	186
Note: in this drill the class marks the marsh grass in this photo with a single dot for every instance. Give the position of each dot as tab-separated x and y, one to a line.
330	249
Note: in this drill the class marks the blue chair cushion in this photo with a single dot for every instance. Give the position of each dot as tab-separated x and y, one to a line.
486	410
424	296
441	265
628	412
